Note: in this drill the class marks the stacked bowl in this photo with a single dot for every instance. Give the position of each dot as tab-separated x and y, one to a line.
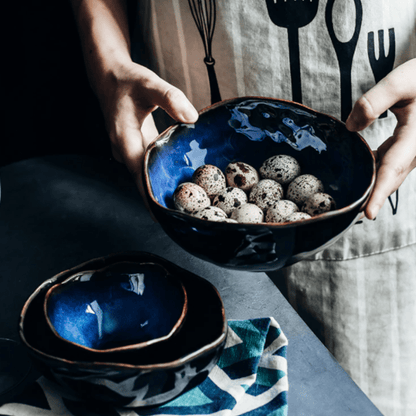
129	329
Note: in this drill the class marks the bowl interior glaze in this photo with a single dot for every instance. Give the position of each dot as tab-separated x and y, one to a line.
251	130
151	376
205	324
122	305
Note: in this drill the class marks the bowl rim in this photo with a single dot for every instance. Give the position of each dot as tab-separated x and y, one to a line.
164	136
144	367
137	346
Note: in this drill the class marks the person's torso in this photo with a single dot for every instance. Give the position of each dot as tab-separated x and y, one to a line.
322	53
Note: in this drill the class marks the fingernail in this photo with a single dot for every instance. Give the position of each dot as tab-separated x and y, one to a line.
348	119
190	114
350	123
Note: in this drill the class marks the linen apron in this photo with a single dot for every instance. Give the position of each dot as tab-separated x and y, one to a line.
359	295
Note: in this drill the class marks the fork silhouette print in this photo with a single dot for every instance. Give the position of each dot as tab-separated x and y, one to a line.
384	64
292	15
381	67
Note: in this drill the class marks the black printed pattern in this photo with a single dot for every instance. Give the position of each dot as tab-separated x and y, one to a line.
382	65
292	15
345	53
204	13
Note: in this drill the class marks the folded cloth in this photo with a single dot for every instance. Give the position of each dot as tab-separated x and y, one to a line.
249	379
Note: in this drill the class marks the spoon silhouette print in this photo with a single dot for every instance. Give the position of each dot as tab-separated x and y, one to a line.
345	53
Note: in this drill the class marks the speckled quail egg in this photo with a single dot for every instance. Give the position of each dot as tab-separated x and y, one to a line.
318	204
190	197
248	213
210	178
211	214
280	211
298	216
241	175
302	187
281	168
229	199
266	193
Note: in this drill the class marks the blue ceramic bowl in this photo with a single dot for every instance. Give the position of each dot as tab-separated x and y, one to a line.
252	129
151	376
123	306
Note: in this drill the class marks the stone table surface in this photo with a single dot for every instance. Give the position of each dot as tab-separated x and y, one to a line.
59	211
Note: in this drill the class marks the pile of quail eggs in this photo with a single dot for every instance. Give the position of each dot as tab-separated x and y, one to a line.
277	193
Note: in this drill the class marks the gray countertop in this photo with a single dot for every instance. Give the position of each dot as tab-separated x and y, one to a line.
59	211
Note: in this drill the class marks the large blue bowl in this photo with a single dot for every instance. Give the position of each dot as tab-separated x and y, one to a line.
252	129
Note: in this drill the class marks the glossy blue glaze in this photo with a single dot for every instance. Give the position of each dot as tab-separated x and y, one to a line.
150	376
125	304
251	130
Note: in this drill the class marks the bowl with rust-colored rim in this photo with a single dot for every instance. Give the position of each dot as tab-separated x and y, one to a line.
250	130
121	307
162	371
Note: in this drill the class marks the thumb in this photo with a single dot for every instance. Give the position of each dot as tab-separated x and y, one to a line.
173	101
397	86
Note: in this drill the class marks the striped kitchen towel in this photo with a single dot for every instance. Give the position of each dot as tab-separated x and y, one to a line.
249	379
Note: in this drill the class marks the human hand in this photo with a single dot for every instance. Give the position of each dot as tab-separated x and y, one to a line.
127	99
127	92
396	157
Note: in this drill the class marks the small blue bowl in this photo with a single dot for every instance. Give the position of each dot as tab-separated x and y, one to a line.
252	129
120	307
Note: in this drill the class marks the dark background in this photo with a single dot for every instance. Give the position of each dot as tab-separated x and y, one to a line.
49	106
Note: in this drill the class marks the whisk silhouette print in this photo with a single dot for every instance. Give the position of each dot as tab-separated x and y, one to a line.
204	14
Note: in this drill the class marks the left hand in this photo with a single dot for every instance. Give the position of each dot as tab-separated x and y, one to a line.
396	157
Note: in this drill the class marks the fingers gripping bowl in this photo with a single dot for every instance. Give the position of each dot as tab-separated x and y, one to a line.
251	130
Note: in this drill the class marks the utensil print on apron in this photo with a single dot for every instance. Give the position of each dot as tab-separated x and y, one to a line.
345	53
293	15
204	13
382	65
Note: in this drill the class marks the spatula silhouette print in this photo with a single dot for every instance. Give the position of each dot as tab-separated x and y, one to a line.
292	15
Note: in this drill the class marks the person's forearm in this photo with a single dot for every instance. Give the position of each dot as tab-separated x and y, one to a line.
104	34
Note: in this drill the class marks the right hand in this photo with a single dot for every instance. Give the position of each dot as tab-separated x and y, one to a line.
128	96
397	154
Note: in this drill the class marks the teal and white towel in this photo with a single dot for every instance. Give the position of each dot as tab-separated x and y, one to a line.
249	379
